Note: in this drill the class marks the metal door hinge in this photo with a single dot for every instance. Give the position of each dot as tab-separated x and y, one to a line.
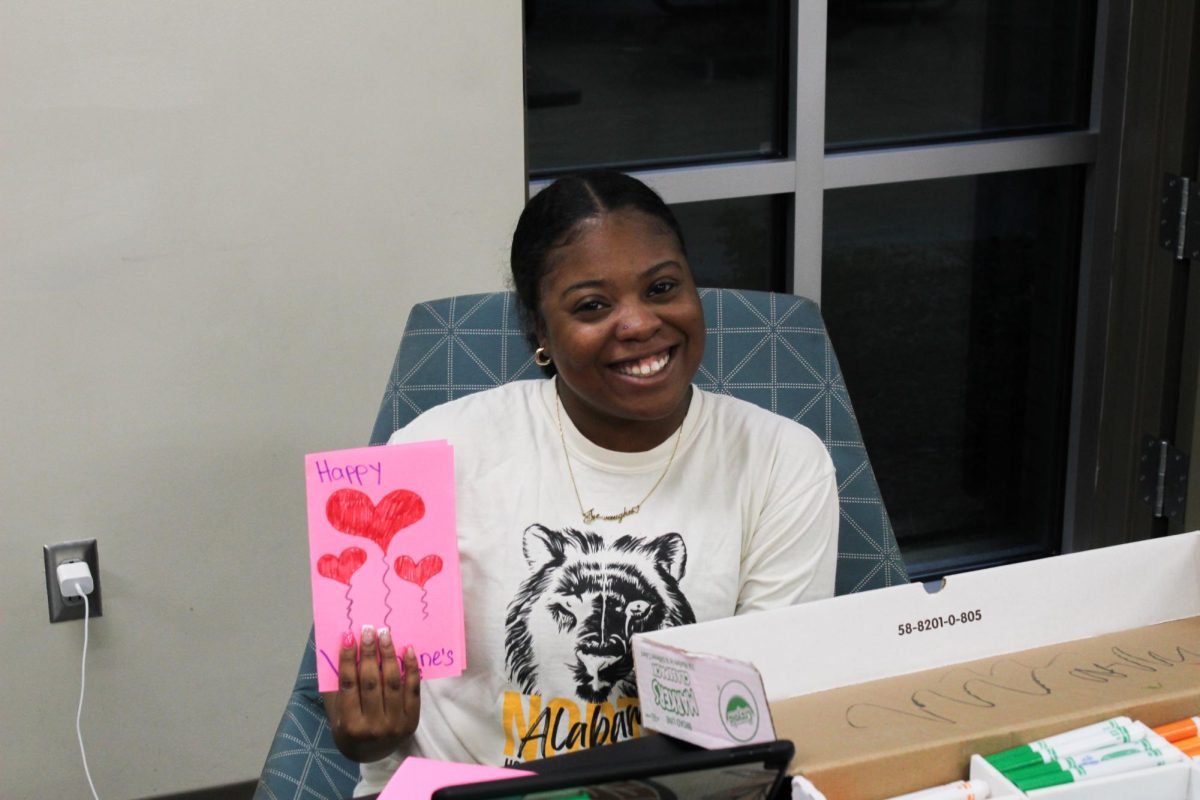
1180	221
1162	477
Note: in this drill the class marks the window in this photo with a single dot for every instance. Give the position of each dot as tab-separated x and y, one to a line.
951	306
945	70
629	83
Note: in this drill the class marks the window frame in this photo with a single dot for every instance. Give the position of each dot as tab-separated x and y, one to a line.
807	171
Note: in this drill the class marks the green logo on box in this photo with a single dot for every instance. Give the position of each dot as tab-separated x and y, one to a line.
675	701
739	711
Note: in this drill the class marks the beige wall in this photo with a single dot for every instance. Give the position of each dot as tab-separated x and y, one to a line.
213	219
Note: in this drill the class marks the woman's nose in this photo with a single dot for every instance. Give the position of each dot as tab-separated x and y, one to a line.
637	321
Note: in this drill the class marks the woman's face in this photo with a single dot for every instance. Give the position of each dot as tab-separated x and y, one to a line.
622	320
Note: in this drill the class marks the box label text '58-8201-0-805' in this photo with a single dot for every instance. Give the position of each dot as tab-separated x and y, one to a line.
938	622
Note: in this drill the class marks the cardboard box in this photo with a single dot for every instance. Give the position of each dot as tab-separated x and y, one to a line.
889	691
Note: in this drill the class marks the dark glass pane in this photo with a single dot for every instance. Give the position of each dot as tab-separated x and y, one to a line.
926	70
637	82
735	244
951	306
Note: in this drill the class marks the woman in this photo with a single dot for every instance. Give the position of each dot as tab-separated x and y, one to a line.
613	498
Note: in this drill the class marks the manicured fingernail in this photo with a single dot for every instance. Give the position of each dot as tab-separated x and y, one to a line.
347	639
385	637
368	634
409	652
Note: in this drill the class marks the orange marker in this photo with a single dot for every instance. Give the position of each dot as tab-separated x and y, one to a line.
1183	729
1190	746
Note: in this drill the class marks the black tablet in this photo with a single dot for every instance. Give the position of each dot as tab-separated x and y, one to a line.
749	772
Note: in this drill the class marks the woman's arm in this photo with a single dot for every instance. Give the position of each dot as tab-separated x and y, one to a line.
376	707
791	555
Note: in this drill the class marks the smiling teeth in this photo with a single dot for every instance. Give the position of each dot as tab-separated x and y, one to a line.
646	367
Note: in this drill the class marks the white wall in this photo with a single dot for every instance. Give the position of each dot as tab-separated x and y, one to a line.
214	216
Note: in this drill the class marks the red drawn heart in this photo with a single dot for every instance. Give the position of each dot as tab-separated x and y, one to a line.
352	512
418	573
340	568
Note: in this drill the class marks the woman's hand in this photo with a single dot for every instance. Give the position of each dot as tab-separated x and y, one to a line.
376	707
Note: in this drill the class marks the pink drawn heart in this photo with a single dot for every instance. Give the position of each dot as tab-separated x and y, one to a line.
340	568
352	512
418	573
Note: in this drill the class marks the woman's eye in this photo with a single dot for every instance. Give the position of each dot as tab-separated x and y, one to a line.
588	306
662	287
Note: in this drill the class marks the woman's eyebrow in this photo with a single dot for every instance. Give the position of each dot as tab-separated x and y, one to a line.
593	283
660	266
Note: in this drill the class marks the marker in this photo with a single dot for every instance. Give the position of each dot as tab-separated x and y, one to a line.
959	790
1183	729
1094	765
1155	745
1117	730
1190	747
1085	747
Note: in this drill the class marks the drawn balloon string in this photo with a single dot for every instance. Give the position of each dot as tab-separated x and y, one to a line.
353	512
419	572
341	568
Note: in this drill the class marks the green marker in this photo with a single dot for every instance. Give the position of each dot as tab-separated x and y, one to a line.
1107	761
1117	730
1085	759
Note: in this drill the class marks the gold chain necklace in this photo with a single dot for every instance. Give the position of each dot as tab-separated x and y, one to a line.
590	515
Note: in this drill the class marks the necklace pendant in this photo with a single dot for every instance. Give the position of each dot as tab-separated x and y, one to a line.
590	515
627	512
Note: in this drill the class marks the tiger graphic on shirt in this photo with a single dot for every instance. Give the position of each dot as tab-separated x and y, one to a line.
568	631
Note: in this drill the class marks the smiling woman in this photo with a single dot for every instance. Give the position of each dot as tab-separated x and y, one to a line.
621	320
581	497
611	304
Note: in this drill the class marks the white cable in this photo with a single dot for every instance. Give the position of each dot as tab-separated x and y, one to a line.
82	683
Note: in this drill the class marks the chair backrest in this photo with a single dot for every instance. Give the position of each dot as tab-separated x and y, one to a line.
770	349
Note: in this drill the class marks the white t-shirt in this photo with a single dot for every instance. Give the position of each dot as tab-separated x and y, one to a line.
745	519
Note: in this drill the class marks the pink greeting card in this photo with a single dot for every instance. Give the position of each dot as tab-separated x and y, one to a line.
418	778
383	552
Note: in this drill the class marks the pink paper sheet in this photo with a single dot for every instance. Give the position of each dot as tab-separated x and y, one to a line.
383	551
418	778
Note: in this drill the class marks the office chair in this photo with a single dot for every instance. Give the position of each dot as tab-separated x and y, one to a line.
770	349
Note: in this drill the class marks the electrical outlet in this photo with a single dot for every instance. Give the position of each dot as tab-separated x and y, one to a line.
68	608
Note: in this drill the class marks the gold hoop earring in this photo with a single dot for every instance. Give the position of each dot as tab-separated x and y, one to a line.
541	358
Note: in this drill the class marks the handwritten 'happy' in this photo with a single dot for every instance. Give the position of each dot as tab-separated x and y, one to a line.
352	474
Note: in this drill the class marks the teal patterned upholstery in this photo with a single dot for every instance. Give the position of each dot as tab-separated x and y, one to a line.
304	763
769	349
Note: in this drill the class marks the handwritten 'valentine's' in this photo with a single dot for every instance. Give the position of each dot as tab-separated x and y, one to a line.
384	552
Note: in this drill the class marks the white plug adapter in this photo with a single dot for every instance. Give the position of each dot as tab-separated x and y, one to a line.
74	578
